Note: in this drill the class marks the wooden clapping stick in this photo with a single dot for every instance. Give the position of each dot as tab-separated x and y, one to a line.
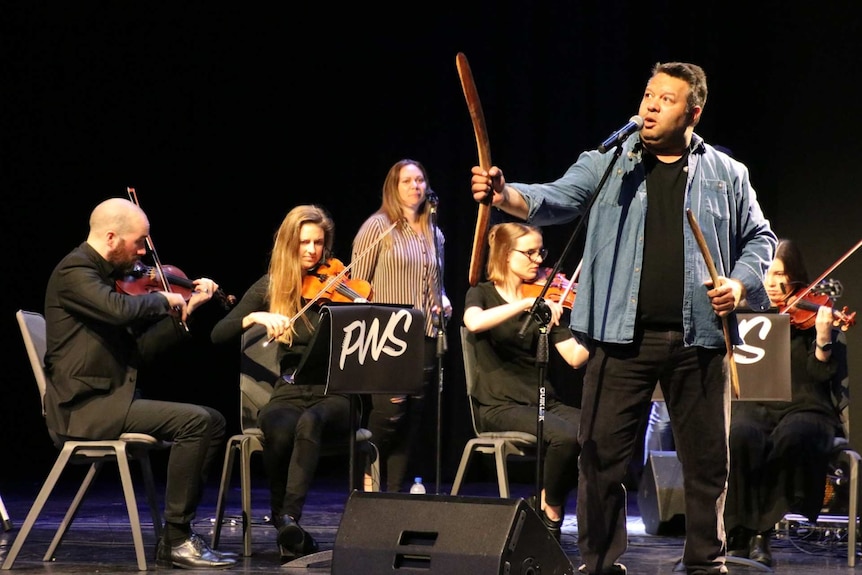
478	118
701	242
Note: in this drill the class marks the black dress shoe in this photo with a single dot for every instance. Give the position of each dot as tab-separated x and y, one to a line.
760	551
216	552
192	553
615	569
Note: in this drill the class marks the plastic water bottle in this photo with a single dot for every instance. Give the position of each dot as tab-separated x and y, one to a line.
418	486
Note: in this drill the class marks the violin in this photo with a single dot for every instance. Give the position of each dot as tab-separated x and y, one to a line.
143	279
328	281
561	290
803	311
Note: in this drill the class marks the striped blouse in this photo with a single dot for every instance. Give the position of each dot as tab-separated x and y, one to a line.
402	268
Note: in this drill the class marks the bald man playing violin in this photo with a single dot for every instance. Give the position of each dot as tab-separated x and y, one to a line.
97	338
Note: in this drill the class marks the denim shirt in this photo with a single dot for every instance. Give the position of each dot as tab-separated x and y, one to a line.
719	195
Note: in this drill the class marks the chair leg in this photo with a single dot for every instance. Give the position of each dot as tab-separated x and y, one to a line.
226	471
4	515
852	459
502	474
36	509
131	506
150	487
375	468
72	511
245	488
462	468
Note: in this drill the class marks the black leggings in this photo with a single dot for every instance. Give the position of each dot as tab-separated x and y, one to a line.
294	429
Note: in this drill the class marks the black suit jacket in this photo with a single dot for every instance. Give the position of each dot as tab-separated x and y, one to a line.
96	339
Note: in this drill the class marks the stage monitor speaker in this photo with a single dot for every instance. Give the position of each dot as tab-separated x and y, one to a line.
444	535
661	498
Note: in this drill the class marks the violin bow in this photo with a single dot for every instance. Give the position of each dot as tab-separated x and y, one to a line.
572	281
166	286
477	116
133	195
828	271
701	242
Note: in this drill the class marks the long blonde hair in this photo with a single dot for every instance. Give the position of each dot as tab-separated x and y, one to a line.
285	268
501	240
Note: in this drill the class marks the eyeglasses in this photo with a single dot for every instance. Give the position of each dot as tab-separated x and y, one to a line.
531	254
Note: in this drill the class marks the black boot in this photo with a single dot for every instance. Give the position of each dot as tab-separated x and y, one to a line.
293	541
289	532
739	541
555	528
760	550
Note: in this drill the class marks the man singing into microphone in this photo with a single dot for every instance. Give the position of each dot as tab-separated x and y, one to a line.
647	304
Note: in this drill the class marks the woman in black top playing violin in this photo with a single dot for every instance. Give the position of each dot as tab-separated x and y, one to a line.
506	387
299	415
779	450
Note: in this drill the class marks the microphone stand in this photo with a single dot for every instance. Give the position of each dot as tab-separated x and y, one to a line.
440	321
541	314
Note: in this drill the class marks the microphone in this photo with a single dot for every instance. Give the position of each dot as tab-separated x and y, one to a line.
636	123
431	197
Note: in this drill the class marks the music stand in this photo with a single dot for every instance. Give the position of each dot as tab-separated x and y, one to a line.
363	349
762	360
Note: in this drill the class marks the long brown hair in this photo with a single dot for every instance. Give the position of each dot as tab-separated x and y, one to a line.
790	254
285	268
391	205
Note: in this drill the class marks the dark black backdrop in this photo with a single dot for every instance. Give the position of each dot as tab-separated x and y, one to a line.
224	116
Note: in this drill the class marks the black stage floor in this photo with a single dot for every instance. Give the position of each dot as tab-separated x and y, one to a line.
100	540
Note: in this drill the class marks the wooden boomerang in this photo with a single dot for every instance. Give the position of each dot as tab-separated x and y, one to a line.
701	242
478	119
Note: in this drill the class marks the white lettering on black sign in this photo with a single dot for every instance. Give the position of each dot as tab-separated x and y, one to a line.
362	339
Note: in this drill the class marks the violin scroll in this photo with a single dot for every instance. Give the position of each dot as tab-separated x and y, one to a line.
830	287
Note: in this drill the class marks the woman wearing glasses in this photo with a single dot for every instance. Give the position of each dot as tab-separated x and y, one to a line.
506	386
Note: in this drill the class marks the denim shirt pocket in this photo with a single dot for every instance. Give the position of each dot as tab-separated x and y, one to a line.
714	195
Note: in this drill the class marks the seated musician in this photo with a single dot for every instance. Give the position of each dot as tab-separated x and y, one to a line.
506	390
298	417
779	450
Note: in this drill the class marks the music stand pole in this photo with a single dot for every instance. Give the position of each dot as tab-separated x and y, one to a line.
441	340
541	315
541	364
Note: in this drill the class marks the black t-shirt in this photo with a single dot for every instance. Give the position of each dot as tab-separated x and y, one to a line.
661	293
506	362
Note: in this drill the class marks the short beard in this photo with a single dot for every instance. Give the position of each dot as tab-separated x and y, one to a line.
121	263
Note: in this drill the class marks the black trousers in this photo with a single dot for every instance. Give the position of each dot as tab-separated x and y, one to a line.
294	428
197	433
559	434
777	465
618	386
395	422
